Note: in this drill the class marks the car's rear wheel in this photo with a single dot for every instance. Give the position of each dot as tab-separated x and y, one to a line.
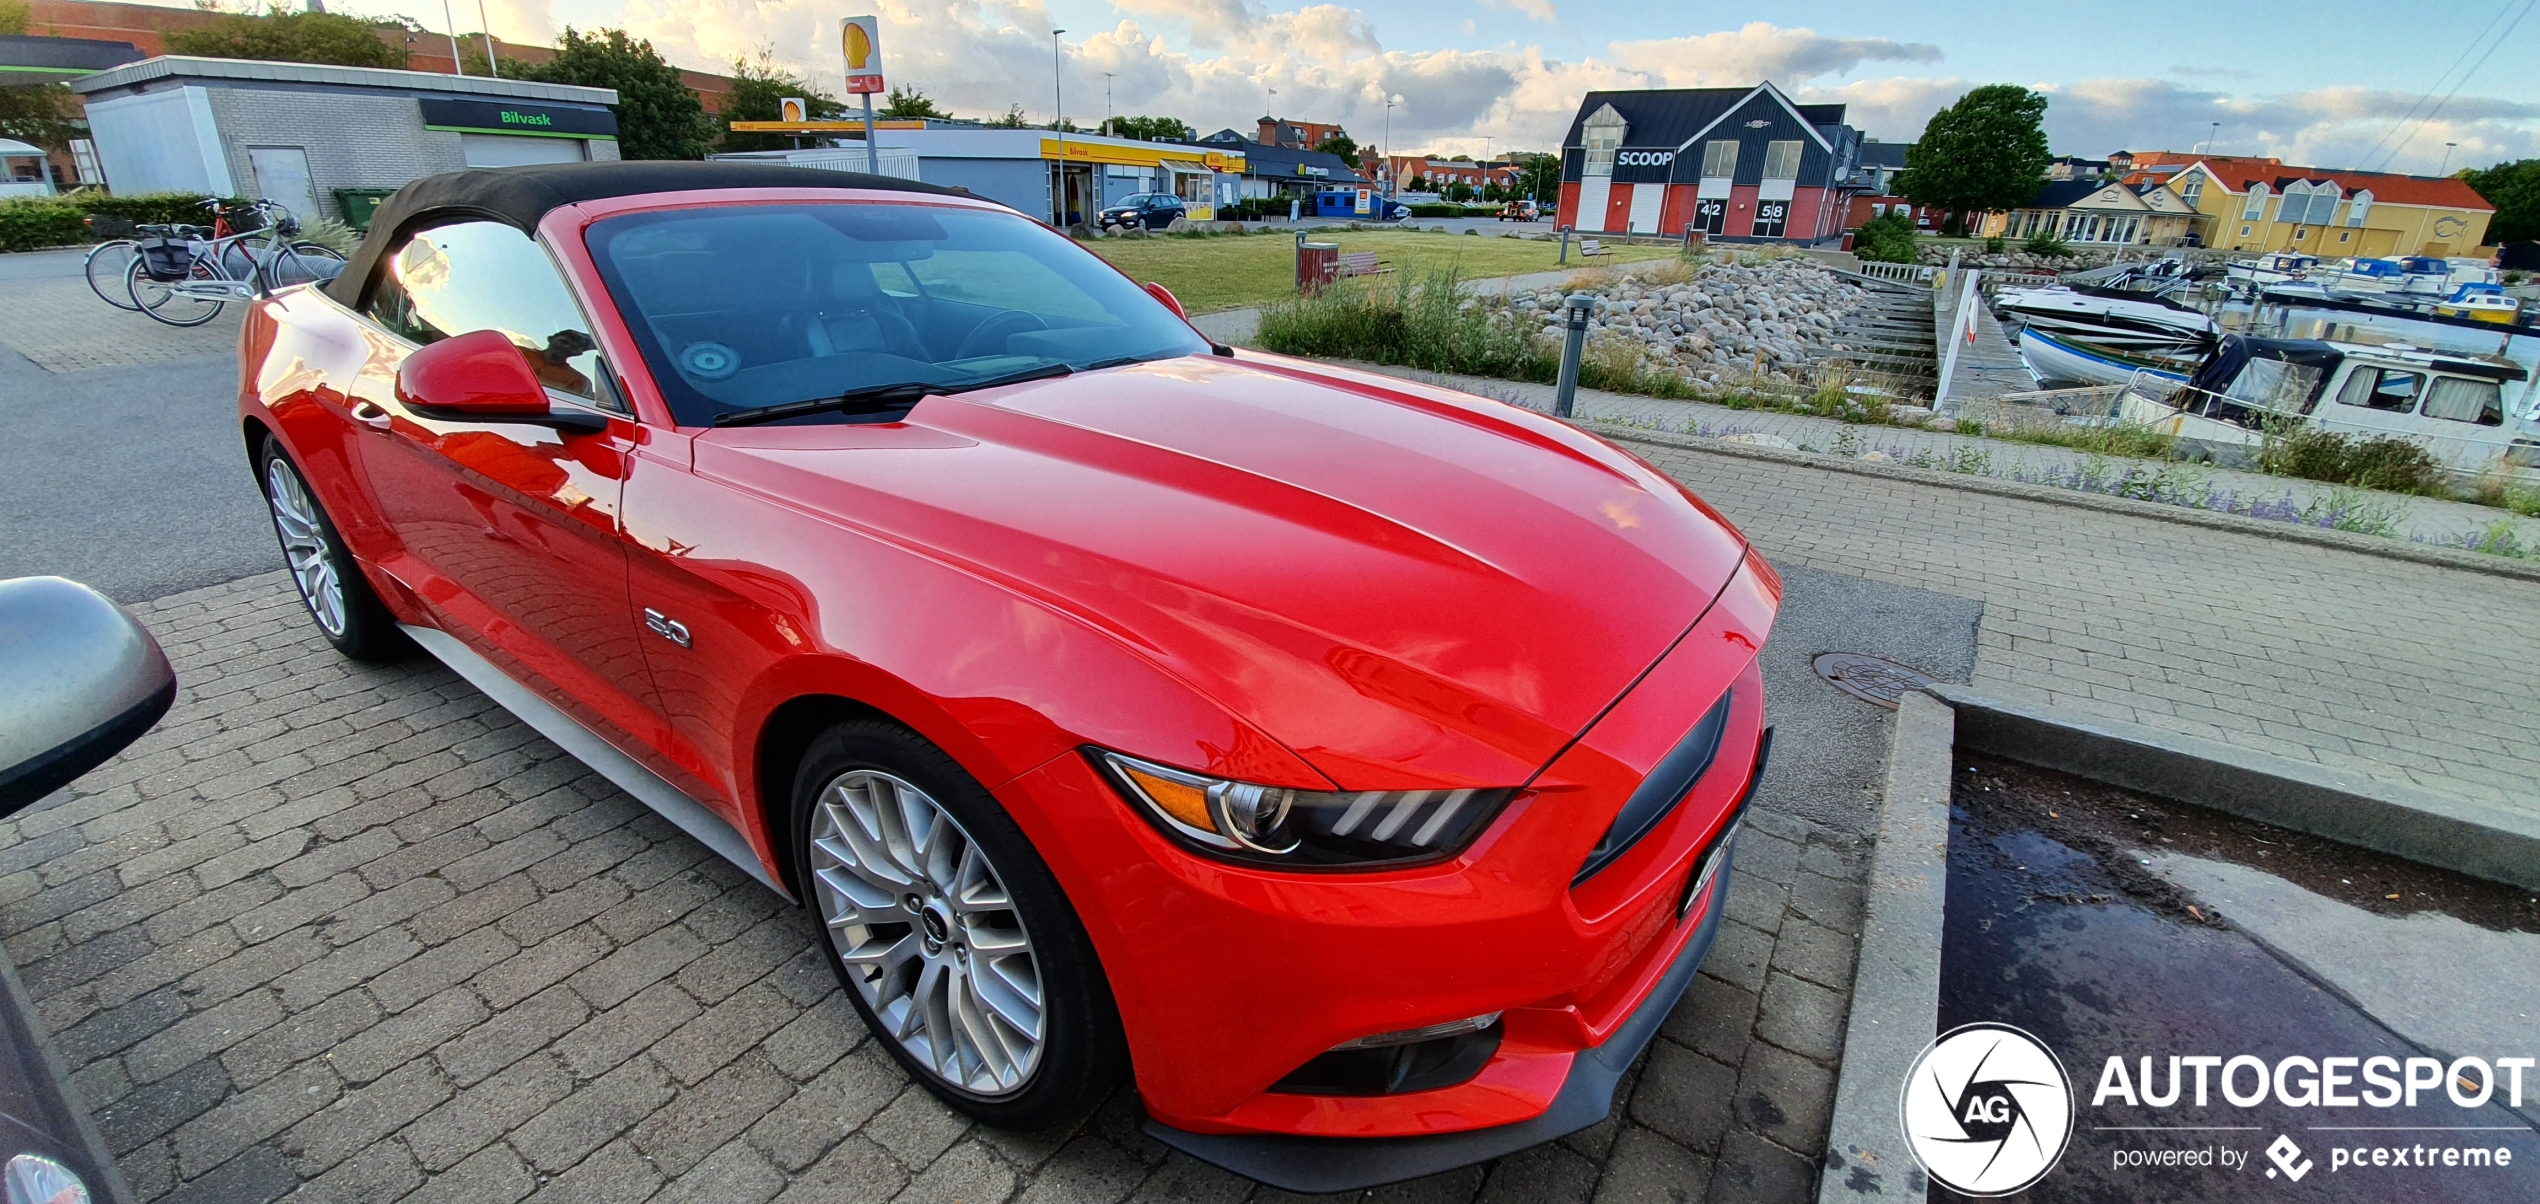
347	611
949	933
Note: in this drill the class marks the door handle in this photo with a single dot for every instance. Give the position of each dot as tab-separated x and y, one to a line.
370	414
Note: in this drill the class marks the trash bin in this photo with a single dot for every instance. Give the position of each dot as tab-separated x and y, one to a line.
1315	264
359	204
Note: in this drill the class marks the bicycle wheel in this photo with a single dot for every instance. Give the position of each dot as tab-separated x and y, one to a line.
157	299
108	263
299	263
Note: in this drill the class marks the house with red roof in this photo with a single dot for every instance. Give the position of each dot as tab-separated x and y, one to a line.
2245	203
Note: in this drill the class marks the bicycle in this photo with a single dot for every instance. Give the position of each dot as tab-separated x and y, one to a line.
185	275
109	263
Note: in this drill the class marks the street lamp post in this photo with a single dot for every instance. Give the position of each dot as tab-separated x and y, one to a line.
2447	158
452	23
486	30
1058	122
1384	154
1107	112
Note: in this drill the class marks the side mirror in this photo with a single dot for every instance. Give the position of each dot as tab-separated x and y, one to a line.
482	376
1165	295
79	680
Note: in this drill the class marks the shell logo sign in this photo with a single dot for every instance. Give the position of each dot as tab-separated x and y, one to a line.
861	39
791	108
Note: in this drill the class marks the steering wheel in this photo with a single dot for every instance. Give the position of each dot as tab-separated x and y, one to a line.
991	335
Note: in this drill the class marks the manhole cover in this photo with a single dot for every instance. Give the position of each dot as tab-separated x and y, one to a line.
1874	681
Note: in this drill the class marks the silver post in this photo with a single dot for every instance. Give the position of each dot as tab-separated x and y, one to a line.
1565	246
872	155
452	24
1575	309
486	29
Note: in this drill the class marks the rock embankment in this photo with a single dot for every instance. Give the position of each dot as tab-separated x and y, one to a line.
1726	320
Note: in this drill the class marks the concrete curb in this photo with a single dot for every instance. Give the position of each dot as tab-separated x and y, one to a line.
2369	545
1896	988
2468	837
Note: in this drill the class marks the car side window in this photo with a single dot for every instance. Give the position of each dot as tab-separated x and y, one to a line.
470	276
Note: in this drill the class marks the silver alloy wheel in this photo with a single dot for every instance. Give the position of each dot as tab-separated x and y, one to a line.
295	519
927	931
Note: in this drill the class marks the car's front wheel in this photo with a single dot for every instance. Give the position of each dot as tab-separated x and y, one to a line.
348	612
949	932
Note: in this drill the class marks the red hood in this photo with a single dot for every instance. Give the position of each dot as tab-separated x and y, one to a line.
1408	586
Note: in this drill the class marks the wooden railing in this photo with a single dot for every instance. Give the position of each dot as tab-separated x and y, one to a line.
1908	273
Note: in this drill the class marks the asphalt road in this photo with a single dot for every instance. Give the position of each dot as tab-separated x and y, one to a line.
130	479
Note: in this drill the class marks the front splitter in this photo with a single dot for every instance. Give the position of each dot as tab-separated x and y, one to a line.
1320	1165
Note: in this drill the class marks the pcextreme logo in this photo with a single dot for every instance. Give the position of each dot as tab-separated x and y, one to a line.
1987	1109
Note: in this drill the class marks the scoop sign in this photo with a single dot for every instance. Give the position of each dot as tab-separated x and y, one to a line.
861	38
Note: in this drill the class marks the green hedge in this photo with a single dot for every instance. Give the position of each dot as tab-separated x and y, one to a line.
1447	210
27	223
30	222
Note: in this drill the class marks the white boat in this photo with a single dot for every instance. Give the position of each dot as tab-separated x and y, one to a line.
2272	268
2454	405
2050	358
2132	323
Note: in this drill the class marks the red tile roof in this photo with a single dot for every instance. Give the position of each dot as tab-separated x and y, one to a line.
2238	172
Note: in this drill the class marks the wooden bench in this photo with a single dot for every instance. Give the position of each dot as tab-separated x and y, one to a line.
1589	246
1359	263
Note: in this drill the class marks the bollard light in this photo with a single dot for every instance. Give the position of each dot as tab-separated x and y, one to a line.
1574	309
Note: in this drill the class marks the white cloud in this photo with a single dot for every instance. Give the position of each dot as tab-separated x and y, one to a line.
1213	62
1533	10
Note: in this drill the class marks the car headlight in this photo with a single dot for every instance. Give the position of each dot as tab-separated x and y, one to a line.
1356	829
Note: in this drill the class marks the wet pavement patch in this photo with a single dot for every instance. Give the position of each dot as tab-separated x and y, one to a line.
2117	927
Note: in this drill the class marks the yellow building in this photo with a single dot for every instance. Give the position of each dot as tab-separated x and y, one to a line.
2087	212
2259	205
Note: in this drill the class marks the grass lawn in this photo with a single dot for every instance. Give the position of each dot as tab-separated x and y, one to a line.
1235	270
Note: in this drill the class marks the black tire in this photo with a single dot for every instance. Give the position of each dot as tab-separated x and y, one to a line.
1083	1056
355	621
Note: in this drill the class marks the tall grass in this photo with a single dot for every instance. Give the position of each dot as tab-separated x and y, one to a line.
1416	323
2366	462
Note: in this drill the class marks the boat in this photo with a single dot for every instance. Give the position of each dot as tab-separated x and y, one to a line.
2120	320
2274	267
2483	302
2052	358
2450	403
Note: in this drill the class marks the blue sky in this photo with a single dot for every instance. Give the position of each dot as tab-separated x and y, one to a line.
2325	83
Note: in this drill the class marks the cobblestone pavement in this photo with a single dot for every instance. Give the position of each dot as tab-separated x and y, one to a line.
2397	671
335	932
62	326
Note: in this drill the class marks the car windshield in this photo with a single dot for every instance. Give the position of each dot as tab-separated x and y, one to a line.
745	306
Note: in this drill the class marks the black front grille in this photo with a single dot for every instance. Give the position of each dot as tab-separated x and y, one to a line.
1666	786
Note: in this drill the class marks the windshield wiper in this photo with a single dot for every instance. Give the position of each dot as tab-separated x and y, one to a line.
873	399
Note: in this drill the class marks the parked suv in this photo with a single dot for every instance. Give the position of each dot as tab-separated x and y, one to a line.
1151	210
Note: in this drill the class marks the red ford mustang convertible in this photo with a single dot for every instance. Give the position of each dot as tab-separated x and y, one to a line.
1350	764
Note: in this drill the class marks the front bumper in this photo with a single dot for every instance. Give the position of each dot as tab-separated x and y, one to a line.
1317	1165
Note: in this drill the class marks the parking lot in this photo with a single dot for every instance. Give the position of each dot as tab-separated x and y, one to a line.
334	931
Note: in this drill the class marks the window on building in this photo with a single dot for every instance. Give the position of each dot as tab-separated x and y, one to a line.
2362	205
2257	206
1781	161
471	276
1719	159
2308	204
1603	135
2192	187
2382	389
2478	401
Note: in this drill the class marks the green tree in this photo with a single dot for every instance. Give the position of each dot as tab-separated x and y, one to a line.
2514	189
1340	144
290	37
657	116
1887	238
1013	120
1147	129
46	115
1539	176
1986	152
759	88
13	18
910	102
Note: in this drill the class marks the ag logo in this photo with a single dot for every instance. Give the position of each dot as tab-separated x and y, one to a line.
1987	1110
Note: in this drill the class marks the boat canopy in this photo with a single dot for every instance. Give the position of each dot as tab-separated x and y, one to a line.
2426	265
2247	376
2378	269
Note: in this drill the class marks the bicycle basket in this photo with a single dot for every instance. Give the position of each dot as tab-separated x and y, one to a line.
166	259
244	219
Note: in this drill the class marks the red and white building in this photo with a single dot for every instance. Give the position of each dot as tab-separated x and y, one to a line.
1737	164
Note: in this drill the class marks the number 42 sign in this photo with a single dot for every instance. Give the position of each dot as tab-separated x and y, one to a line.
861	38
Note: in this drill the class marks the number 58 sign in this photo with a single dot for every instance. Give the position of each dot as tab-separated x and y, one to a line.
861	39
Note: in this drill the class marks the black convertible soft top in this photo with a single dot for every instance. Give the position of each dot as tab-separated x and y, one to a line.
521	196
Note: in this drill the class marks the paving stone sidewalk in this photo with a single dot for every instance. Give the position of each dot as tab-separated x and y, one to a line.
335	932
63	327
